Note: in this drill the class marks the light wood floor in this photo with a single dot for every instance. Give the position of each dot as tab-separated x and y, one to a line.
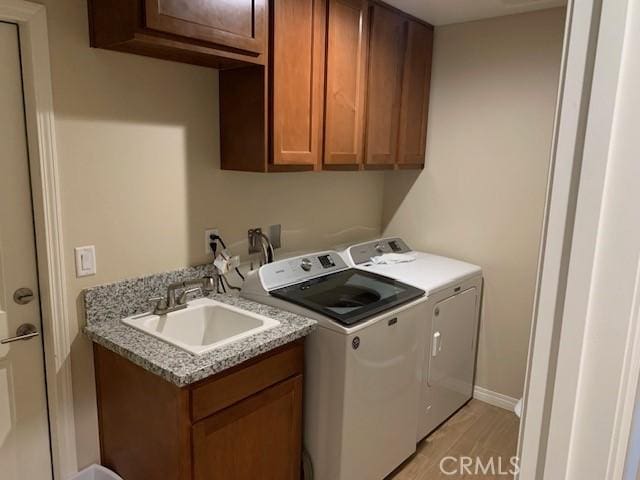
477	430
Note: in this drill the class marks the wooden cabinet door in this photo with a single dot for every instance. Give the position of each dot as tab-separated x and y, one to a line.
415	95
298	81
239	24
384	86
346	80
257	438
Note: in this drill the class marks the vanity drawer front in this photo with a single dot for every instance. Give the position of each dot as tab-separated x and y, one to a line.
246	379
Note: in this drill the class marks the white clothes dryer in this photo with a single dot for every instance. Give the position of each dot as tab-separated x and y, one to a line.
454	293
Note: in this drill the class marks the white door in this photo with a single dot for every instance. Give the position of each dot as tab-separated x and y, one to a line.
24	430
452	361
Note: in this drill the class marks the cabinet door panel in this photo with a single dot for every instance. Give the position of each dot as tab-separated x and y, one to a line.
346	69
298	81
415	95
233	23
259	437
384	86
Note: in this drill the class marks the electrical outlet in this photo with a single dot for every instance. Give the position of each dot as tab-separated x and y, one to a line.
207	240
275	235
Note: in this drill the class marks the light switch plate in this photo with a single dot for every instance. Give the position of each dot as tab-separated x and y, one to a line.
85	261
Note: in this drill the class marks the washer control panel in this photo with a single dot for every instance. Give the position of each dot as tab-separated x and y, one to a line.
365	251
306	264
298	269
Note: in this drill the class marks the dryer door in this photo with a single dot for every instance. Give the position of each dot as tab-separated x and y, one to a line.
453	353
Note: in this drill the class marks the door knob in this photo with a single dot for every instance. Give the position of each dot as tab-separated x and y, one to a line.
22	296
23	332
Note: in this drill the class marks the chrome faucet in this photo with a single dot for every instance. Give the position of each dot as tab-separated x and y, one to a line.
173	302
260	243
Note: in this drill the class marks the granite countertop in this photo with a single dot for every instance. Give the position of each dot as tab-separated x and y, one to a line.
182	368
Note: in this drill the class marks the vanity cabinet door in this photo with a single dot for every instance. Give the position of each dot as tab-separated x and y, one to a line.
298	81
259	437
346	80
384	86
415	96
236	24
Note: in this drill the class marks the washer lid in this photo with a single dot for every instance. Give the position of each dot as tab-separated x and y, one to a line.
349	296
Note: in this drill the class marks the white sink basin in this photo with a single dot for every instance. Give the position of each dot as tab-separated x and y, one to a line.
203	326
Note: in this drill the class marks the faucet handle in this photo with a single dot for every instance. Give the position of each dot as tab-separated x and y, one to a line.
182	299
157	304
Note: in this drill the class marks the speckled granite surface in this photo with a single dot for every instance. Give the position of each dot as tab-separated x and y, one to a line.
107	304
129	297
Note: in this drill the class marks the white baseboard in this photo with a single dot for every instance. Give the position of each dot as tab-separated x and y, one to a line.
494	398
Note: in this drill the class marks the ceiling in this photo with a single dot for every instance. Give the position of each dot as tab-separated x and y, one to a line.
443	12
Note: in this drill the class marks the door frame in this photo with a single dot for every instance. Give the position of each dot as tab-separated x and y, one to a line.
562	352
45	190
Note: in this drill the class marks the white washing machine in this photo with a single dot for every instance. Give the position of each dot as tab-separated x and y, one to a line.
362	363
454	293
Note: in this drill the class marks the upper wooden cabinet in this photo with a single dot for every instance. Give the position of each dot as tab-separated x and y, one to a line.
297	82
399	77
384	86
236	24
304	84
414	107
214	33
347	37
271	119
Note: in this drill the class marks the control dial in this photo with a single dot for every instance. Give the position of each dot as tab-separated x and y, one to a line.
306	264
379	248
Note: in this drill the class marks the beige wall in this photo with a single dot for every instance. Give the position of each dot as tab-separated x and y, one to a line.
482	193
138	145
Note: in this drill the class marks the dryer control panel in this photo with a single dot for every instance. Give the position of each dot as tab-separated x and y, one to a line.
298	269
364	252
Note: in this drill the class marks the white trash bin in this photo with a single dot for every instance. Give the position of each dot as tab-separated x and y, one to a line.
96	472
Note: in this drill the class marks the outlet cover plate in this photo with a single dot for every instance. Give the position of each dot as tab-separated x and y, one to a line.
275	234
207	241
253	237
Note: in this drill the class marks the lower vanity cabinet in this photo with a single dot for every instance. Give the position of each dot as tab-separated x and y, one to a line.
243	423
257	438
